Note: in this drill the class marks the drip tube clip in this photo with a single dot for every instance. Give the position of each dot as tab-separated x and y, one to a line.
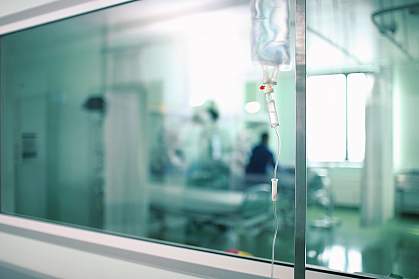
274	183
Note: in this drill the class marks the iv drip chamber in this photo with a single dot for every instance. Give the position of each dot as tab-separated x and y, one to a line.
272	113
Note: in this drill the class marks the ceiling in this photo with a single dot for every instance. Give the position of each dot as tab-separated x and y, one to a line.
341	35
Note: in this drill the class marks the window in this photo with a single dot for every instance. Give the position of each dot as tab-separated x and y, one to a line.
336	117
132	120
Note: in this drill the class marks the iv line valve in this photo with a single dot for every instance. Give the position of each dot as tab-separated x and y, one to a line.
267	89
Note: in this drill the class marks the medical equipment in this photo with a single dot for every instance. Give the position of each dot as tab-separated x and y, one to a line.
270	36
233	212
270	48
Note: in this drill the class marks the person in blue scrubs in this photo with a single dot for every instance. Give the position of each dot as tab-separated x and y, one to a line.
261	160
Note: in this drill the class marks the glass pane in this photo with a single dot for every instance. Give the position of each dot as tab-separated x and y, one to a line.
141	120
363	214
326	133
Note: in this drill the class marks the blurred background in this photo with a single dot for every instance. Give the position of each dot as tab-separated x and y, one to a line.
145	120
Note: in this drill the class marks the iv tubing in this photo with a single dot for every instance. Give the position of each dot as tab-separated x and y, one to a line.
276	225
276	221
278	151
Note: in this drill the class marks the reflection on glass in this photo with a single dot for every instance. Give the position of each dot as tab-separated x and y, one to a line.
141	120
365	217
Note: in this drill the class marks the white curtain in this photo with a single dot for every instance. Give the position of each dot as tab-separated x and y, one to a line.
377	191
126	164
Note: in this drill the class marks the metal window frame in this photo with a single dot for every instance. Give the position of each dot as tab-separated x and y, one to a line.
203	263
301	156
54	11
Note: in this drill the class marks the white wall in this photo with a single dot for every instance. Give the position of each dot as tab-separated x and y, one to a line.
406	113
346	185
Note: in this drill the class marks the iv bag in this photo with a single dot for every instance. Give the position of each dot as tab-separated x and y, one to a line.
270	35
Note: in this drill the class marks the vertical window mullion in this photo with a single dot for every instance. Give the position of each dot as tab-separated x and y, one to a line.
346	120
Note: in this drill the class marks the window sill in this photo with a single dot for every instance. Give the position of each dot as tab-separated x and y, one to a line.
349	165
166	257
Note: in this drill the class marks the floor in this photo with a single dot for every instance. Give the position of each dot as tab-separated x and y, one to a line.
391	248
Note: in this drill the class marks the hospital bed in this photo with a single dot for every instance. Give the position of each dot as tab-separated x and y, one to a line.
239	210
248	208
